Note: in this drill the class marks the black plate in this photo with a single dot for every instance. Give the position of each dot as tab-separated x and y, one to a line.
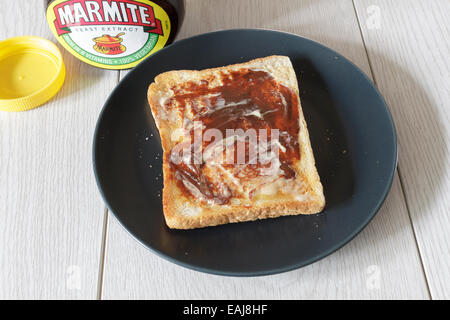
351	131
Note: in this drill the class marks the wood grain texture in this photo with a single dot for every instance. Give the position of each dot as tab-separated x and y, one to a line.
409	49
51	212
382	262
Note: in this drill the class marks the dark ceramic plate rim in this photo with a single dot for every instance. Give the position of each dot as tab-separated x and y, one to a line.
272	271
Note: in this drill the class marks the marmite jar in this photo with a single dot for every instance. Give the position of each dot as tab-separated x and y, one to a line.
114	34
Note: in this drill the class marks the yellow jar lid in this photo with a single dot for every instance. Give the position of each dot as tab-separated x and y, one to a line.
32	72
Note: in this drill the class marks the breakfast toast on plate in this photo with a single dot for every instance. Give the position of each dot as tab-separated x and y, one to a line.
236	146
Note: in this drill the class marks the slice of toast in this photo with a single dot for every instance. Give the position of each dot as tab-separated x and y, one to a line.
202	116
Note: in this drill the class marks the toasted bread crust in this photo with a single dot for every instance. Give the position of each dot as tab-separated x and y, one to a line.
182	212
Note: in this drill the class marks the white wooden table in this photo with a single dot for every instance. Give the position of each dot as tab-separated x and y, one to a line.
57	239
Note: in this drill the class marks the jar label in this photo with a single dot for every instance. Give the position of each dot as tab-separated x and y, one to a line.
112	34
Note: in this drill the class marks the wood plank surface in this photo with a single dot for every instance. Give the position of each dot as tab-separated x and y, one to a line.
382	262
409	50
51	211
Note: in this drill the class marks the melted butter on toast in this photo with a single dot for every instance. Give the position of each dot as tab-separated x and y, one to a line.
239	100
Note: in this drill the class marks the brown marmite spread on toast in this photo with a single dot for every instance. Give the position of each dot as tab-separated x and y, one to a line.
245	99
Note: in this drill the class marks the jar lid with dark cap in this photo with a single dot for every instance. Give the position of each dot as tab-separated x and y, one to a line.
114	34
